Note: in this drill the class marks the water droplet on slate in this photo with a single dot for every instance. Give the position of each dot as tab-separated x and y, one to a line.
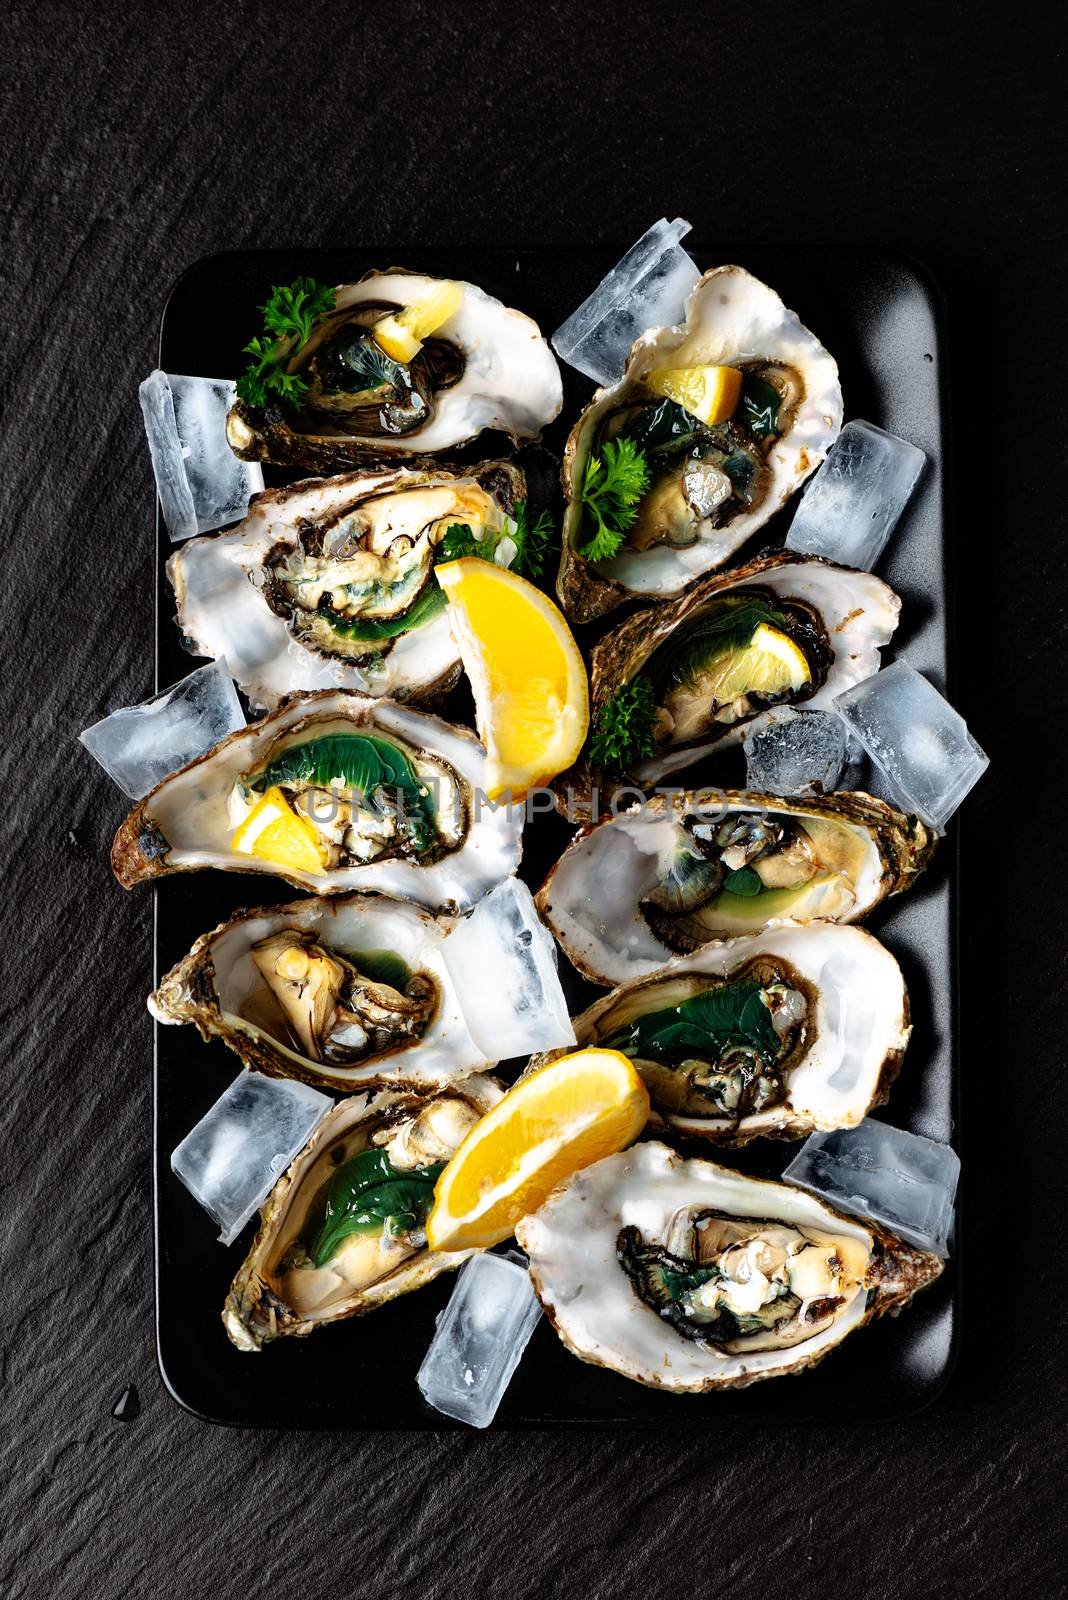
127	1406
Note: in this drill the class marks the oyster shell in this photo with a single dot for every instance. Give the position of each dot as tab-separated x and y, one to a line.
328	1245
775	1034
687	1276
742	475
675	871
330	582
405	816
833	620
486	367
347	992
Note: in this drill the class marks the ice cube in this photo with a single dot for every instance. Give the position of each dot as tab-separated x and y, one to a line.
479	1339
885	1175
790	752
502	961
647	289
139	746
201	483
916	739
851	506
237	1152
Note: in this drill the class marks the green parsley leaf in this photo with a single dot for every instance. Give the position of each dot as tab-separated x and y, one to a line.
460	540
531	540
614	483
624	735
292	309
289	313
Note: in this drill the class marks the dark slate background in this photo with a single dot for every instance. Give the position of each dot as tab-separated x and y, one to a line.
137	138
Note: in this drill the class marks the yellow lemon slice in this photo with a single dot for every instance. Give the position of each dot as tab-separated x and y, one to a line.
401	335
563	1117
769	664
527	675
275	832
710	394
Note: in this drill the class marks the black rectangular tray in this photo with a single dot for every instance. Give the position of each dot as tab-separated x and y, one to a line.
881	317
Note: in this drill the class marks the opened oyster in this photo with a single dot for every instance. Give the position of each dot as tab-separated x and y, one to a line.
678	870
786	630
343	1230
774	1034
332	792
708	486
684	1275
330	582
376	388
362	991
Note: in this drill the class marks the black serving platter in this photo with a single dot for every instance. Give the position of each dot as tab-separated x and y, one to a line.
881	317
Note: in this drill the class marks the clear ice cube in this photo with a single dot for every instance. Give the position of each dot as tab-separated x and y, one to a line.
885	1175
851	506
479	1339
236	1154
139	746
201	483
502	961
790	752
916	739
647	289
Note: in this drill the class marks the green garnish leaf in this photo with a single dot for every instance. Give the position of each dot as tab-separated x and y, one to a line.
531	540
461	540
743	881
612	488
624	735
360	762
292	309
383	966
369	1194
370	629
289	313
704	1026
759	406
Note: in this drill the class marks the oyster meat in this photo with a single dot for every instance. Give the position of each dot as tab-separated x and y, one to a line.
775	1034
330	582
485	366
382	796
710	487
343	1230
675	871
785	630
687	1276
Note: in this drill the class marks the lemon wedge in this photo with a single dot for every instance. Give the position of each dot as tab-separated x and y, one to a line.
710	394
401	335
565	1116
275	832
527	675
770	663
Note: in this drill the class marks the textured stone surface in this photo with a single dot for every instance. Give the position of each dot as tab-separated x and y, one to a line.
138	139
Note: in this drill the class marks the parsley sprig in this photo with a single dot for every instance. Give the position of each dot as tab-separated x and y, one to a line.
529	534
614	483
290	313
624	735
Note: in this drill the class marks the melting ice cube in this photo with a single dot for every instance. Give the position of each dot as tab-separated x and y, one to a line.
885	1175
238	1151
502	961
201	483
852	504
647	289
480	1337
139	746
916	739
790	752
